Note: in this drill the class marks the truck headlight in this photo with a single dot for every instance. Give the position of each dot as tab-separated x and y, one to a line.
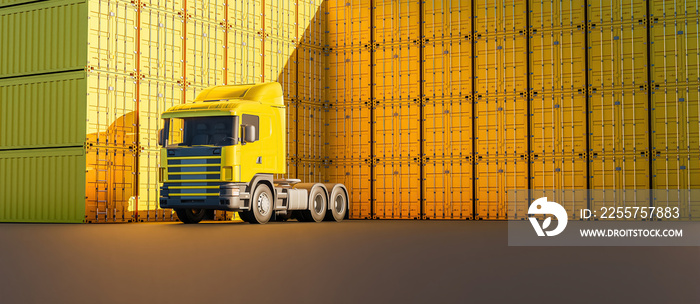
227	173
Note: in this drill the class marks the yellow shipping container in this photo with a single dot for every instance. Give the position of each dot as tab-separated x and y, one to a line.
447	69
500	124
172	6
155	96
562	180
673	9
348	132
673	175
397	189
281	65
111	110
447	129
244	57
447	189
396	21
311	70
611	175
112	36
557	59
208	10
148	204
397	130
348	23
501	64
397	72
500	17
557	124
281	20
311	171
161	45
675	52
616	11
204	55
618	122
310	130
311	26
356	176
617	56
675	114
551	14
447	19
501	188
348	76
292	128
245	15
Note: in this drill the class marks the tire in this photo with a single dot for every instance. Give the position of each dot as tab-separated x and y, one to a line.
337	206
317	207
191	216
245	216
262	205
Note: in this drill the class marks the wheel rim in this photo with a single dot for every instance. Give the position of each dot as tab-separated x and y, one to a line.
318	203
339	204
263	204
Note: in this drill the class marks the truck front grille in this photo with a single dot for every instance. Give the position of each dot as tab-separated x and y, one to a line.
193	177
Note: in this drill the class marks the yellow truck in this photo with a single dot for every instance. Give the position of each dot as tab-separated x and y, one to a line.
221	152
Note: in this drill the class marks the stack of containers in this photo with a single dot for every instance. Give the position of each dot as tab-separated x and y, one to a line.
675	104
557	103
618	103
446	81
500	108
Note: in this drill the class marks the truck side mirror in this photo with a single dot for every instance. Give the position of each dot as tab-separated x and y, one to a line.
161	137
248	134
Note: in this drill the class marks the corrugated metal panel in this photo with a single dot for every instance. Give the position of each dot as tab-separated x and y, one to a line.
675	114
348	23
311	70
550	14
448	189
675	52
447	19
245	15
500	16
557	124
348	76
447	129
311	171
618	122
244	57
673	9
55	45
356	177
43	111
204	60
112	36
281	65
501	64
292	128
447	69
557	59
676	174
161	47
396	130
281	19
111	106
396	21
149	189
494	178
172	6
616	11
552	177
312	22
397	190
501	126
310	129
396	72
13	2
207	10
611	173
617	56
110	189
42	185
348	132
155	97
191	92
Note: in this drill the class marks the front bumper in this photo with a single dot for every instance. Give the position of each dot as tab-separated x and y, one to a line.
228	199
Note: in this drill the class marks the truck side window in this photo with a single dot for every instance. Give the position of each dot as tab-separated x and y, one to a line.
252	120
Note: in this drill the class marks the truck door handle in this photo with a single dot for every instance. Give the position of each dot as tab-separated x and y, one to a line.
259	161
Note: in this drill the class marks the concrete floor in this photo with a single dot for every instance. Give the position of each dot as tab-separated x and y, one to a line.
349	262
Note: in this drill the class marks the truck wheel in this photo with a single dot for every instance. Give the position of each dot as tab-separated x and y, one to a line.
245	216
262	205
337	207
317	207
190	216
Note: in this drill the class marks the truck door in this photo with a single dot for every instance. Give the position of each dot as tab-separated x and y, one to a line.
251	153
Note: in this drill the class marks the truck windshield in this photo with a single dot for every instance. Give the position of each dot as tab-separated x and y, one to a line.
202	131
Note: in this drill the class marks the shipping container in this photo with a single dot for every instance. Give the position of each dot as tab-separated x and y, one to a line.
311	27
617	56
396	72
616	11
244	56
171	6
500	17
292	128
557	14
557	59
619	122
673	175
356	176
4	3
110	189
619	180
291	170
54	46
673	9
161	45
348	23
675	118
348	76
311	70
155	97
447	129
562	180
148	204
397	193
397	130
310	128
448	189
500	126
245	15
396	21
281	20
675	52
43	185
311	171
208	10
281	65
348	132
204	55
558	124
447	69
447	19
501	64
112	34
111	110
43	111
501	188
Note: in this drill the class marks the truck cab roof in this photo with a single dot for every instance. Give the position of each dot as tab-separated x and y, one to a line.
223	100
